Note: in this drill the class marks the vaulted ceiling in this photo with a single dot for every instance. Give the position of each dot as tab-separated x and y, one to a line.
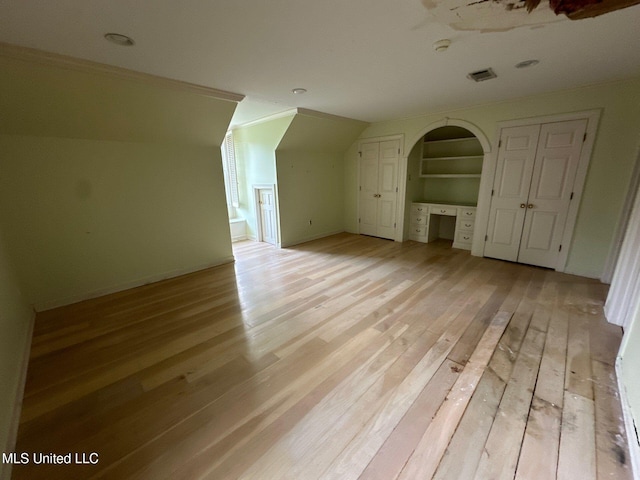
370	60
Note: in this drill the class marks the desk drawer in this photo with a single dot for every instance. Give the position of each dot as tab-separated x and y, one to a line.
419	219
468	213
465	225
418	231
464	237
419	209
442	210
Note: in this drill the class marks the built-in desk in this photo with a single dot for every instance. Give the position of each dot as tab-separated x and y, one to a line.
425	222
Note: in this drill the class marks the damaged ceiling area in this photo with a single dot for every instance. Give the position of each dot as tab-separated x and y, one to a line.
503	15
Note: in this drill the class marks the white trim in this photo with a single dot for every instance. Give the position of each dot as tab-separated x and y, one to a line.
453	122
489	171
403	165
77	64
49	304
624	293
5	469
629	423
616	245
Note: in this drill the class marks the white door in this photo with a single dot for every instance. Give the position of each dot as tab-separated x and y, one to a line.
370	153
557	159
268	227
535	172
379	188
510	191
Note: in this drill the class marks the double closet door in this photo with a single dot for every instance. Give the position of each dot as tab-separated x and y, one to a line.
533	187
378	189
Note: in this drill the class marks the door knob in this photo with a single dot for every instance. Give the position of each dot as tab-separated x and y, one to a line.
530	205
522	205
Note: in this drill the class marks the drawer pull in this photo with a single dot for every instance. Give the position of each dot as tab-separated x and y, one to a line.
466	238
469	213
443	211
468	225
419	220
419	209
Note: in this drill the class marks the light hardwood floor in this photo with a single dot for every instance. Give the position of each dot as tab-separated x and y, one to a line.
343	358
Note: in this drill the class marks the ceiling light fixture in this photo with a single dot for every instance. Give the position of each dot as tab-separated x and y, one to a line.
527	63
441	45
299	91
119	39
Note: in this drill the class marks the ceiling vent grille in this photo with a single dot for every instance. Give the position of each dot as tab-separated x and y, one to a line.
482	75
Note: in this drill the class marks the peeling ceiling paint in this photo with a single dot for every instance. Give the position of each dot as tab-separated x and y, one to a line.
489	15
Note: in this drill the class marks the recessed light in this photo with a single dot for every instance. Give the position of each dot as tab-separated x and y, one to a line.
119	39
527	63
299	91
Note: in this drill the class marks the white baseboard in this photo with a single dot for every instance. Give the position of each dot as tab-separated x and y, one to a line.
49	304
310	239
238	238
5	469
632	435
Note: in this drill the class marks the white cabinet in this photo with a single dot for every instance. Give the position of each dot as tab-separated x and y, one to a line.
425	222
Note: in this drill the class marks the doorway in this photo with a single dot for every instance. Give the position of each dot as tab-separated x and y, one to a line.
266	213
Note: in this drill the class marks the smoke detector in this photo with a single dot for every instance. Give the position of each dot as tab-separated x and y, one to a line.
482	75
441	45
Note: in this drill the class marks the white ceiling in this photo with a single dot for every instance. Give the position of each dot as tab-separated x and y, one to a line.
370	60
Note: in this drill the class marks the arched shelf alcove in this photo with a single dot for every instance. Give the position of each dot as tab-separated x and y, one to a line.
445	163
444	167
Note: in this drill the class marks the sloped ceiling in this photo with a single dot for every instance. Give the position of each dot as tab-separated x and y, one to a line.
369	60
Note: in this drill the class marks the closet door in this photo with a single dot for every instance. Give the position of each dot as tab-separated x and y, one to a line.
554	173
516	157
369	188
387	188
379	188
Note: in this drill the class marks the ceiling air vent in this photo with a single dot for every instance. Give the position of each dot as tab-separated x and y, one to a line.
482	75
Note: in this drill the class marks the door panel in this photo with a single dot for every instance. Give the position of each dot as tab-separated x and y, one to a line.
557	159
505	228
511	188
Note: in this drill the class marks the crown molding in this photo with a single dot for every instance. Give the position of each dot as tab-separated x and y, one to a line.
87	66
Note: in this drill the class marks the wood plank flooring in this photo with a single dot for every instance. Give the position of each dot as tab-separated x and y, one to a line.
349	357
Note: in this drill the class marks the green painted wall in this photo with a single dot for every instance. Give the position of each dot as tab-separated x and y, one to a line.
614	153
311	170
107	182
256	163
15	320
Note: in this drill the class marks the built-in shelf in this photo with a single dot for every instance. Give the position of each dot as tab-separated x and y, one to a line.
459	157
